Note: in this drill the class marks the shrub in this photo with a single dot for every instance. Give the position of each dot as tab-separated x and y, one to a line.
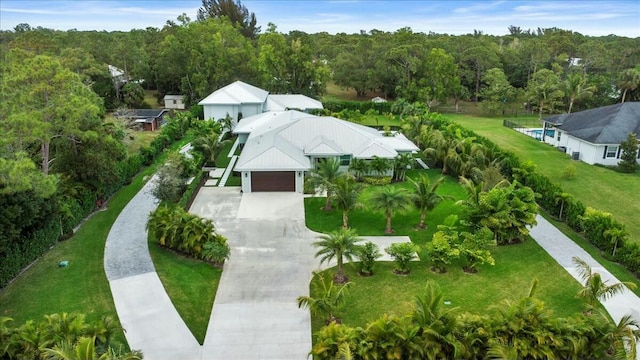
402	254
375	180
216	251
569	172
367	254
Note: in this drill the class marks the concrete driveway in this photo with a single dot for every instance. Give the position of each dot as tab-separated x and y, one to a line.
255	315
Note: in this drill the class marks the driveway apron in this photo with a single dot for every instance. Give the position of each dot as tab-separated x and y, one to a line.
255	315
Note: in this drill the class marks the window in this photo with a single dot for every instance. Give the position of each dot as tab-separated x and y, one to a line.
345	160
559	134
174	102
612	151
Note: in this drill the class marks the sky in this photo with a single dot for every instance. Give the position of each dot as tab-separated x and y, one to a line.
588	17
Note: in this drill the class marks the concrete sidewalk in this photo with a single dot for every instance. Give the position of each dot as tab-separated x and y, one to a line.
563	249
150	320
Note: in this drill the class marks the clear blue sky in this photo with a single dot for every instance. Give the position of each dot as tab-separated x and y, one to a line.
589	17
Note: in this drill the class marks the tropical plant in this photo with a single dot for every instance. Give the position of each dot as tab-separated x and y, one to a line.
401	163
615	236
326	299
576	89
379	165
438	325
367	255
338	245
402	254
324	176
216	251
389	200
359	168
345	194
442	251
595	288
474	249
629	81
562	198
425	197
210	146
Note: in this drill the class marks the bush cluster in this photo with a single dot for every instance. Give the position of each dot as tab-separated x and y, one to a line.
575	213
336	106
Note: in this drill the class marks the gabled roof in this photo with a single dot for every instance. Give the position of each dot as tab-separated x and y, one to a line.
235	94
148	113
281	102
288	146
267	121
605	125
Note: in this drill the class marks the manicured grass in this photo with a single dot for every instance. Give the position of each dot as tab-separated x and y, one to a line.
598	187
223	160
191	285
81	287
516	266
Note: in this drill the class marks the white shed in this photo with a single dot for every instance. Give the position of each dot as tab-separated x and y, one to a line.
174	102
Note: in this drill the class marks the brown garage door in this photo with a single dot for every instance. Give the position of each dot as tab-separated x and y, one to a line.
273	181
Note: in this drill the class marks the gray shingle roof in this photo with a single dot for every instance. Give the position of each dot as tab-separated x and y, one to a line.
605	125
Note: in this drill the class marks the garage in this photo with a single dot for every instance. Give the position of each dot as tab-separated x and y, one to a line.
273	181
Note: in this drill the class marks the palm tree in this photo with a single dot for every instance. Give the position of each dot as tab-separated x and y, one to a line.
615	235
345	195
436	145
390	199
380	165
324	177
359	167
400	165
209	145
425	197
341	244
595	289
562	198
575	89
629	81
328	299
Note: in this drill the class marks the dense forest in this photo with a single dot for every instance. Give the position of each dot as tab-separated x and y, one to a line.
59	156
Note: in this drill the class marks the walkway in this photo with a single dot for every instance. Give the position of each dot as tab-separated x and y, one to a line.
563	249
228	171
150	320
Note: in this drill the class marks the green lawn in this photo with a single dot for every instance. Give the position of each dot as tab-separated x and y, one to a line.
81	287
516	266
137	139
595	186
150	98
191	285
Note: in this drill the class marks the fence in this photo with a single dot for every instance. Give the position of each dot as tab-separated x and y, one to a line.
522	123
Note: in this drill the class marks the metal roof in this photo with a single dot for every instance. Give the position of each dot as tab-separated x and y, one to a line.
281	102
236	93
286	147
267	121
605	125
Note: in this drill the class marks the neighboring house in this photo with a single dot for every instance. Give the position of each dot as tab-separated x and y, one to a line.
241	100
117	75
594	136
174	102
281	147
378	99
149	119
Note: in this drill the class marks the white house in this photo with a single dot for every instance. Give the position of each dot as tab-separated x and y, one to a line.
240	98
174	102
594	136
281	147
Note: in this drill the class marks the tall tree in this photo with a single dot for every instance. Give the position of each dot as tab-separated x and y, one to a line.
498	93
629	81
543	90
45	103
324	176
232	10
345	196
576	89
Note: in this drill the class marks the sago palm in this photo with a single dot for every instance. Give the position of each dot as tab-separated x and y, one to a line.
389	200
339	245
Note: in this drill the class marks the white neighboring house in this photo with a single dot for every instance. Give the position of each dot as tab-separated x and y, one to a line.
241	98
174	102
281	147
378	99
594	136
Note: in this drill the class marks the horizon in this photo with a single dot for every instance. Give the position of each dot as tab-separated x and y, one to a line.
589	18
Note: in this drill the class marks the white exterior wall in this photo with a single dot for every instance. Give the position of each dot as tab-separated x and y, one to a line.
248	110
246	181
168	104
300	182
216	112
